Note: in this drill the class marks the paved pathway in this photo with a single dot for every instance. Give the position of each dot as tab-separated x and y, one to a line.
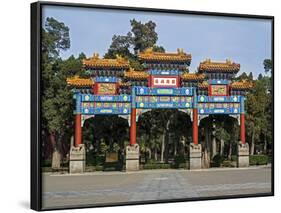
114	187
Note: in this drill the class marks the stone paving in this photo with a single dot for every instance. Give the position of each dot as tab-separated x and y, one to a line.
114	187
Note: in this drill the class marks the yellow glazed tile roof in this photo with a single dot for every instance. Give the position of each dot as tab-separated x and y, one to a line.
124	84
242	84
150	55
96	62
138	75
210	66
204	84
192	76
77	81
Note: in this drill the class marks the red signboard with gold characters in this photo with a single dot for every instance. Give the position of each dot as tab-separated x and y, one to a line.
218	90
164	81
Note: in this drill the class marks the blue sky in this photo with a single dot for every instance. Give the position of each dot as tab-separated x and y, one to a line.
245	41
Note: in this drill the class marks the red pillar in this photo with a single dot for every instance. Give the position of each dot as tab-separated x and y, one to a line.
195	126
133	128
78	130
242	128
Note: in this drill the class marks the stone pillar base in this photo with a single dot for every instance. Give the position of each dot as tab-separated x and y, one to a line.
132	157
243	155
77	159
195	156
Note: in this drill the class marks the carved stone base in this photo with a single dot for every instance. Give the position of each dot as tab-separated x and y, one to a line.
77	159
132	157
195	156
243	155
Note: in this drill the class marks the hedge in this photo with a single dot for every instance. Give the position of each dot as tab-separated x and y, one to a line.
258	159
99	168
93	160
217	161
157	166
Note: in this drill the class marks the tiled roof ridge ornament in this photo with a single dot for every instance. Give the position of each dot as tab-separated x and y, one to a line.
209	61
120	58
179	56
180	51
95	56
228	61
148	50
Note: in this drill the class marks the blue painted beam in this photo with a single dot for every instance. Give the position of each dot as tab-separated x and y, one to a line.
223	111
164	105
187	91
219	81
104	79
163	72
106	111
204	98
105	98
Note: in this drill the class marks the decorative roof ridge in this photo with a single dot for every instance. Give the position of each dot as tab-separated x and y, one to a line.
213	66
95	61
149	54
209	61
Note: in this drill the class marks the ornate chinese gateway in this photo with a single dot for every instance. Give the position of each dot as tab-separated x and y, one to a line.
114	88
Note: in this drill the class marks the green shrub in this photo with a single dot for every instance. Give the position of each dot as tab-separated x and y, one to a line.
182	166
179	159
165	166
234	157
217	161
90	169
258	159
269	159
46	169
99	168
46	163
157	166
227	163
94	160
149	161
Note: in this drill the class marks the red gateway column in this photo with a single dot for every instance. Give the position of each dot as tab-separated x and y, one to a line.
242	128
195	126
133	128
78	130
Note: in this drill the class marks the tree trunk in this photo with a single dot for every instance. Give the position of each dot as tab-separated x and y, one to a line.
149	153
206	153
206	159
222	147
56	155
214	146
72	141
167	137
163	147
229	151
155	154
265	145
253	143
175	147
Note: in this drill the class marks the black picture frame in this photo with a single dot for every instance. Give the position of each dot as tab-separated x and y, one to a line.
36	24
